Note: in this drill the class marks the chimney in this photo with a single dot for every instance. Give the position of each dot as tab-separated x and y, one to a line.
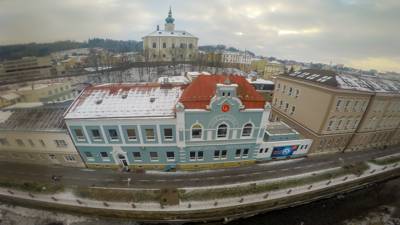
158	27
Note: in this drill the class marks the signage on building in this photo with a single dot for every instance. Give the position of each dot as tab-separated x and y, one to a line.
284	151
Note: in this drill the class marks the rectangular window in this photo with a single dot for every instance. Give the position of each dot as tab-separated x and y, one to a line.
261	150
217	154
88	155
104	156
293	109
42	143
153	156
131	133
150	134
170	156
192	155
60	143
31	143
113	134
266	150
168	134
338	104
79	134
238	153
164	45
96	135
154	45
297	93
52	157
200	155
69	158
137	156
20	142
224	154
4	141
245	153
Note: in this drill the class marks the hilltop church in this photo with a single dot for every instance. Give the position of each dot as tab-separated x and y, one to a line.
169	44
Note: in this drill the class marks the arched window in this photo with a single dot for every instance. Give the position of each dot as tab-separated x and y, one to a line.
196	131
222	131
247	129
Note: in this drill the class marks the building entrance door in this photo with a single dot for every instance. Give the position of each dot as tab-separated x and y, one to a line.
122	160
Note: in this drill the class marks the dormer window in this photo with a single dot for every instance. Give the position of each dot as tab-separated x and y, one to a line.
229	94
223	93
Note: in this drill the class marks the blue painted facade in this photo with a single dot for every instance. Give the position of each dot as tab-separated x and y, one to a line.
228	133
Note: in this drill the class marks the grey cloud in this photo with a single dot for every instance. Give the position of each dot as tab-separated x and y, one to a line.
339	31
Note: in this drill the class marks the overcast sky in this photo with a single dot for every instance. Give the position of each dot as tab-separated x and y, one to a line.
359	33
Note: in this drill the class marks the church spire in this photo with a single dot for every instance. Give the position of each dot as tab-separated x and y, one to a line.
170	19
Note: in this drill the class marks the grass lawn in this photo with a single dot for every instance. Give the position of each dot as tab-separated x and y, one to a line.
33	187
118	195
216	193
387	160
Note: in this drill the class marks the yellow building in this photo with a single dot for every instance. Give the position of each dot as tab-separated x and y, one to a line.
338	111
273	69
170	44
37	135
27	68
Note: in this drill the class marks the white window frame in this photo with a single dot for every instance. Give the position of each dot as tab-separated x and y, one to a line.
227	131
170	159
169	138
147	137
151	158
201	134
251	131
135	159
130	137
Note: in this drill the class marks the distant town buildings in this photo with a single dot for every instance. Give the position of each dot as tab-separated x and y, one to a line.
273	69
170	44
26	68
340	112
38	92
37	135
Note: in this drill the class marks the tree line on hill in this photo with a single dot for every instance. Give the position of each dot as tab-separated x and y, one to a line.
42	49
17	51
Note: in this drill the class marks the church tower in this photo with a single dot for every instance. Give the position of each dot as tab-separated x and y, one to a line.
169	21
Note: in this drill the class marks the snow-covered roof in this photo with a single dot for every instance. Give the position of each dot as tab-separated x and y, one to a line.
47	117
175	33
173	80
126	100
348	81
259	81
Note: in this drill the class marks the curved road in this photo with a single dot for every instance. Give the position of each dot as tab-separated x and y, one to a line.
111	178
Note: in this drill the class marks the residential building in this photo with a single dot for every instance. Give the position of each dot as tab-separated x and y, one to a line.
170	44
273	69
264	87
215	121
27	68
37	135
241	60
338	111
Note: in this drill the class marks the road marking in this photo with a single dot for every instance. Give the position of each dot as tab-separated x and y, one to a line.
256	173
298	167
285	169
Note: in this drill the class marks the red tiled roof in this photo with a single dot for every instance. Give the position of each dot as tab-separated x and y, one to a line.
199	93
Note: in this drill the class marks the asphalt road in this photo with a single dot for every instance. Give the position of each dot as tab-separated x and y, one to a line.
111	178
